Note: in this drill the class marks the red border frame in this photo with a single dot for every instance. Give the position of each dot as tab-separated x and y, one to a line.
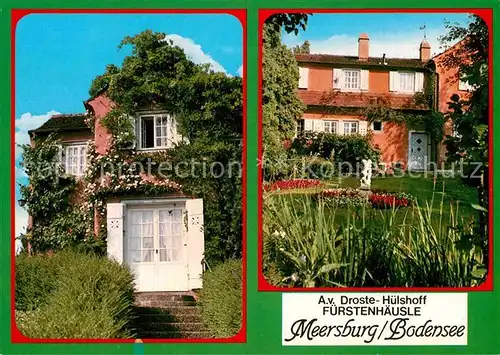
487	15
16	16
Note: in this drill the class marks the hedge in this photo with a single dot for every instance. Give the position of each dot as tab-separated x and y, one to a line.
338	148
92	298
221	299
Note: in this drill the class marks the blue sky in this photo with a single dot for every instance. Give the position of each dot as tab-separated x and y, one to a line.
397	35
57	56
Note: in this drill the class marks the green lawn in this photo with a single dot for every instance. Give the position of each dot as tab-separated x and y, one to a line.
442	193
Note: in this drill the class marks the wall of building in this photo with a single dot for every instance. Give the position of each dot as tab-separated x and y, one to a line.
101	105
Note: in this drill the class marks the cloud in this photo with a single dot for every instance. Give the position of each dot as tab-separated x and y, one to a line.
240	71
27	122
394	45
196	53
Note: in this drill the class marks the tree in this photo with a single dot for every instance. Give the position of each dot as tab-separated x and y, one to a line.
470	114
281	108
304	48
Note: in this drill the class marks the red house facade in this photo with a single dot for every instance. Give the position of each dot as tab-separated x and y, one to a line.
337	90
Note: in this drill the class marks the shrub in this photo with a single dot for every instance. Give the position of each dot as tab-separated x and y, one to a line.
35	280
341	149
383	199
221	298
343	197
92	298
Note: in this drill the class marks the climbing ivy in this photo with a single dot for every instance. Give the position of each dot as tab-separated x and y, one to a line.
208	109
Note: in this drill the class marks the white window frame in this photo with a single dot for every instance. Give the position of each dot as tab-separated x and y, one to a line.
81	146
170	128
303	78
334	125
381	127
351	124
402	74
344	79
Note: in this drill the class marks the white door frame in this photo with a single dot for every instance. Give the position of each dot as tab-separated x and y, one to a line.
428	148
157	271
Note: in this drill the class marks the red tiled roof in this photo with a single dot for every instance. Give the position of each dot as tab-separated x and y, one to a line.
344	60
361	99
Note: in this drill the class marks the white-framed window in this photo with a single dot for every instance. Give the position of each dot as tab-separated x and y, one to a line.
74	158
352	79
407	81
330	126
156	131
351	127
377	126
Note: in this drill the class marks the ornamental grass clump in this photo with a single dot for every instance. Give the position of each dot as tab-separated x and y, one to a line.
309	243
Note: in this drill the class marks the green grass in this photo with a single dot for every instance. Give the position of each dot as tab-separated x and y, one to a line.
439	195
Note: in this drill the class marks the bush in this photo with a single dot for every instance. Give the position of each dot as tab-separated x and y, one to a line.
340	149
35	280
221	299
92	298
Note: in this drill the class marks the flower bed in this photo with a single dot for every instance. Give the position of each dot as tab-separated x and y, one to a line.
343	197
292	184
377	199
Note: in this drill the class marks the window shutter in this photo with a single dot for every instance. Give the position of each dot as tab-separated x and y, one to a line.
363	127
393	81
304	78
419	82
308	125
364	79
195	241
338	78
340	128
114	220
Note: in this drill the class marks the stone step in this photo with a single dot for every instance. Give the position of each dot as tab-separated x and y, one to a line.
171	326
164	296
164	303
168	318
174	335
174	311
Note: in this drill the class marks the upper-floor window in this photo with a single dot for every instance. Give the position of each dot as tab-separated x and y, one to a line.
73	157
350	79
330	126
156	131
351	127
406	81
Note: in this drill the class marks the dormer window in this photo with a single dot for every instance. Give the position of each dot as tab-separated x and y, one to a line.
156	131
350	79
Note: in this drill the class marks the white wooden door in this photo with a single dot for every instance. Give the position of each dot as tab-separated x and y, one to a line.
417	155
155	248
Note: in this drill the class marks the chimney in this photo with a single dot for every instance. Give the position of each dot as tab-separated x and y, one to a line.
363	47
425	51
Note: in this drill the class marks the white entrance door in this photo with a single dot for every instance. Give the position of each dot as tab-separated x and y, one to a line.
155	248
417	155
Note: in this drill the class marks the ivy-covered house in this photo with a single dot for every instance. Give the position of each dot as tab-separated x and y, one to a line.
149	223
398	101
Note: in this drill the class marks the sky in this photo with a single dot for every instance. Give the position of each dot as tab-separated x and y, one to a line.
396	35
58	55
